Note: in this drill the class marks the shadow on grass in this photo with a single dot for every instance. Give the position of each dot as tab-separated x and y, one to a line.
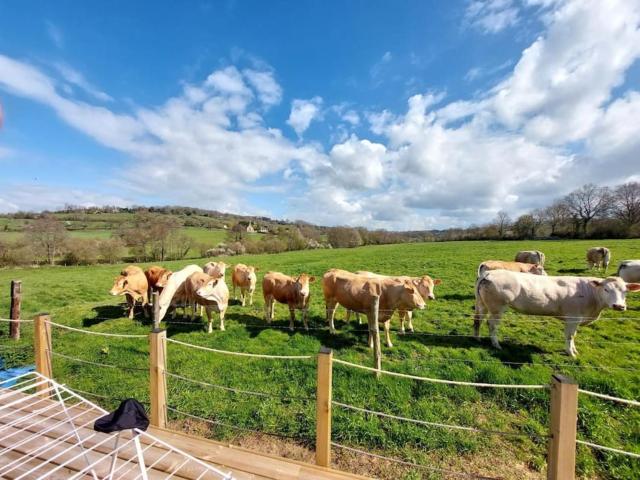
572	270
104	313
456	296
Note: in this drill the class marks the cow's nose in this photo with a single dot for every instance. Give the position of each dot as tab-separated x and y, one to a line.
619	307
431	296
422	306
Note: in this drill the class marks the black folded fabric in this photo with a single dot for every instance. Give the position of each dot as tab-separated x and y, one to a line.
129	414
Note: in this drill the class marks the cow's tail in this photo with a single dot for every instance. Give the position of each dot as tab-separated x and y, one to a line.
541	258
607	258
481	269
479	306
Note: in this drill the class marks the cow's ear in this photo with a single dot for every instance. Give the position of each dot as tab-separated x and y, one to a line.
255	269
312	278
415	282
633	287
595	283
437	281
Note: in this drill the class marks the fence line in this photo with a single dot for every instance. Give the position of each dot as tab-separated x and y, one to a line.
236	390
242	354
608	449
635	403
436	424
439	380
91	332
414	465
97	364
18	320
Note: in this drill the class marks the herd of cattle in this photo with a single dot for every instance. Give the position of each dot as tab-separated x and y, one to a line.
522	285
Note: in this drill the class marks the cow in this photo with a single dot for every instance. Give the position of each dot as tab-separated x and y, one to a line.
598	257
215	268
531	256
293	291
172	293
157	277
425	286
574	300
629	270
244	277
357	293
533	268
133	284
210	291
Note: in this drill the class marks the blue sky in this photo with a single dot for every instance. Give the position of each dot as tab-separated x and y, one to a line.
400	115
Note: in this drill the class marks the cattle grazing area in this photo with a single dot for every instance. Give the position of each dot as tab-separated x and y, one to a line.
230	397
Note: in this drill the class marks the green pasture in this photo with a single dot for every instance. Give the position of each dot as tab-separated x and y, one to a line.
441	347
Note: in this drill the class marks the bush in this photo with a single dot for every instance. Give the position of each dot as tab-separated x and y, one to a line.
81	251
112	250
341	237
15	254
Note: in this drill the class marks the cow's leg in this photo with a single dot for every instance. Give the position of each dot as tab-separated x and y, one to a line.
235	297
478	316
243	295
331	313
305	317
273	308
570	329
370	322
387	336
410	318
209	320
223	310
347	317
359	318
145	303
292	317
494	322
130	305
251	297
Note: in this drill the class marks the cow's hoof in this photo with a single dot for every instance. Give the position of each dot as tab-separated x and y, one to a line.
390	345
332	331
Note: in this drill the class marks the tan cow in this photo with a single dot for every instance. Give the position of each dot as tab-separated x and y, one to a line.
531	256
425	285
244	277
574	300
629	270
209	291
215	268
157	277
172	294
133	284
293	291
533	268
598	257
357	292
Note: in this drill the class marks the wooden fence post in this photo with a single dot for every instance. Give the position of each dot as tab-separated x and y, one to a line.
561	461
157	379
323	407
14	313
155	296
42	347
374	330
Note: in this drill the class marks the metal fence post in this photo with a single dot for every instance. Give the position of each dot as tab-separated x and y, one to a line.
323	407
157	379
561	461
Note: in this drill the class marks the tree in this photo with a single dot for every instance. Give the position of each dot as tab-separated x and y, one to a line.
556	215
525	226
112	250
341	237
47	235
503	222
588	202
626	204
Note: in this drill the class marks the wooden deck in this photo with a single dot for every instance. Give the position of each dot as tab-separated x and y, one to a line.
30	423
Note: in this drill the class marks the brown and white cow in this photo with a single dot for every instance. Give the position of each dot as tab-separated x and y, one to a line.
629	270
215	269
425	286
209	291
157	277
533	268
357	292
133	284
531	256
293	291
172	294
574	300
244	277
598	257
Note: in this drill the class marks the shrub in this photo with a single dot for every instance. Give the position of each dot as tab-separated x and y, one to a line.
81	251
112	250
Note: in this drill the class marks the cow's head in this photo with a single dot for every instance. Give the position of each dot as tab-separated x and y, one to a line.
205	286
119	286
537	269
425	286
163	279
612	292
411	297
301	286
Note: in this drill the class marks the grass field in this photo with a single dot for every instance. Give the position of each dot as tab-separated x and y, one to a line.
532	351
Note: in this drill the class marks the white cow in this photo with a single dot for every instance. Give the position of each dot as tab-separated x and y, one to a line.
175	281
629	270
531	256
215	269
574	300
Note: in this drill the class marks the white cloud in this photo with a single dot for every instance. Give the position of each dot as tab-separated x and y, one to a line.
269	91
55	34
492	16
76	78
303	112
350	116
377	68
